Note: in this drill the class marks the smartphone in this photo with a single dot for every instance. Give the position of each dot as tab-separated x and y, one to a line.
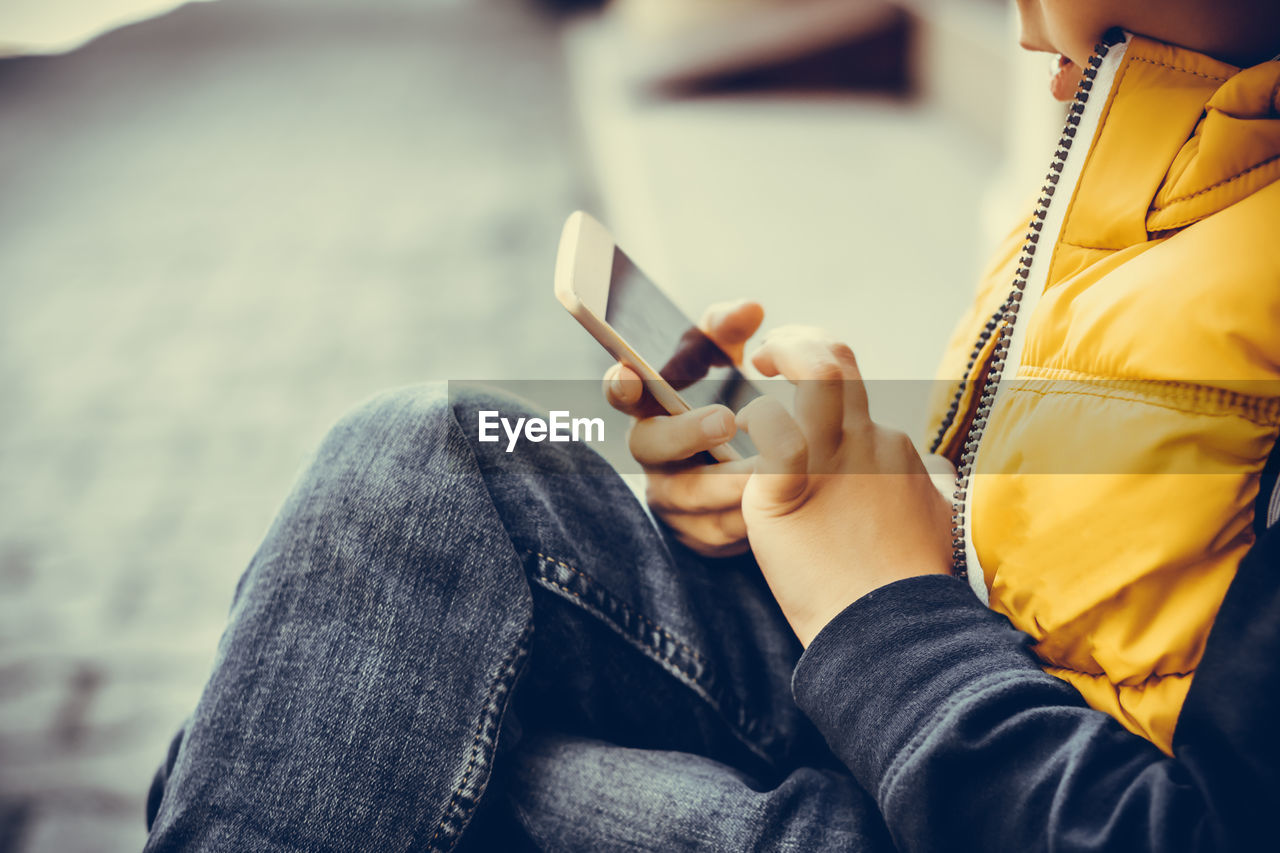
642	328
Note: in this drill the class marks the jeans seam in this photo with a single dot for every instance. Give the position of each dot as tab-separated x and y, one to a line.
676	641
457	813
747	728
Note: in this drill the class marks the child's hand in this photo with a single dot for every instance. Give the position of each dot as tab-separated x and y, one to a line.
838	506
702	504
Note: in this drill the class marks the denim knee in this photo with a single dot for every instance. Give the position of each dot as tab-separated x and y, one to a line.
401	413
392	475
424	438
547	457
392	417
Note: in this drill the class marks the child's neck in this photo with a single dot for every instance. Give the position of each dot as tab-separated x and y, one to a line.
1242	33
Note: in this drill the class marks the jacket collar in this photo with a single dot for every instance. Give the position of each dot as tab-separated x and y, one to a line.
1234	152
1183	136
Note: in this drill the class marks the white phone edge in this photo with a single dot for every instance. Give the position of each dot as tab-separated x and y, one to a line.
586	250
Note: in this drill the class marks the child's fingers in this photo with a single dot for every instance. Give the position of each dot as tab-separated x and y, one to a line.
784	452
731	324
700	488
663	439
810	363
623	389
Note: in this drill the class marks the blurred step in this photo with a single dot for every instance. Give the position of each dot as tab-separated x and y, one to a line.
962	62
859	209
969	67
676	43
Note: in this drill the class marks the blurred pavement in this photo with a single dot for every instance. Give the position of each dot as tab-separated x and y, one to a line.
219	230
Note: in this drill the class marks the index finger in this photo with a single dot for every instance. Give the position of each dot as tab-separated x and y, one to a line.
806	354
826	387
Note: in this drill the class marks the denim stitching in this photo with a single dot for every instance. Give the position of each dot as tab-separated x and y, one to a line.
685	647
745	726
457	813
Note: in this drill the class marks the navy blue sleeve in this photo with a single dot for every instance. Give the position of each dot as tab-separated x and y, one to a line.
941	711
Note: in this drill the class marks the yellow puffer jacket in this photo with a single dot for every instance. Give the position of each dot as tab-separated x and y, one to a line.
1121	407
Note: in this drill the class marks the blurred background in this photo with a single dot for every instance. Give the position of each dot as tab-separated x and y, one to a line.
222	224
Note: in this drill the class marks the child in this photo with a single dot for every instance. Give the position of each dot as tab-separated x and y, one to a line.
1117	393
435	647
1141	332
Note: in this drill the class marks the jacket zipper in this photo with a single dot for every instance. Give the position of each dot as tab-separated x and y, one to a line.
1003	322
1273	507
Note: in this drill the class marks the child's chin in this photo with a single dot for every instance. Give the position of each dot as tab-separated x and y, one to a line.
1065	79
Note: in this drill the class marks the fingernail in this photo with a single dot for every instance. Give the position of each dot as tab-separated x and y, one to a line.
718	424
616	384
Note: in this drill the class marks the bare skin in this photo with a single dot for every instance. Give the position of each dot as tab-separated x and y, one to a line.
702	504
829	483
836	505
1240	32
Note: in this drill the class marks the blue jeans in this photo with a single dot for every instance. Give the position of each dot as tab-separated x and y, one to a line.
439	647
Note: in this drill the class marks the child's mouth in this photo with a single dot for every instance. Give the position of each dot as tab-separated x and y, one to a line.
1065	80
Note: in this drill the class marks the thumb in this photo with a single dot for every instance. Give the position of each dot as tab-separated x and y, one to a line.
782	471
731	324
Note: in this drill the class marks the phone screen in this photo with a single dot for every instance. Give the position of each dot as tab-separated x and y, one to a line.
690	361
